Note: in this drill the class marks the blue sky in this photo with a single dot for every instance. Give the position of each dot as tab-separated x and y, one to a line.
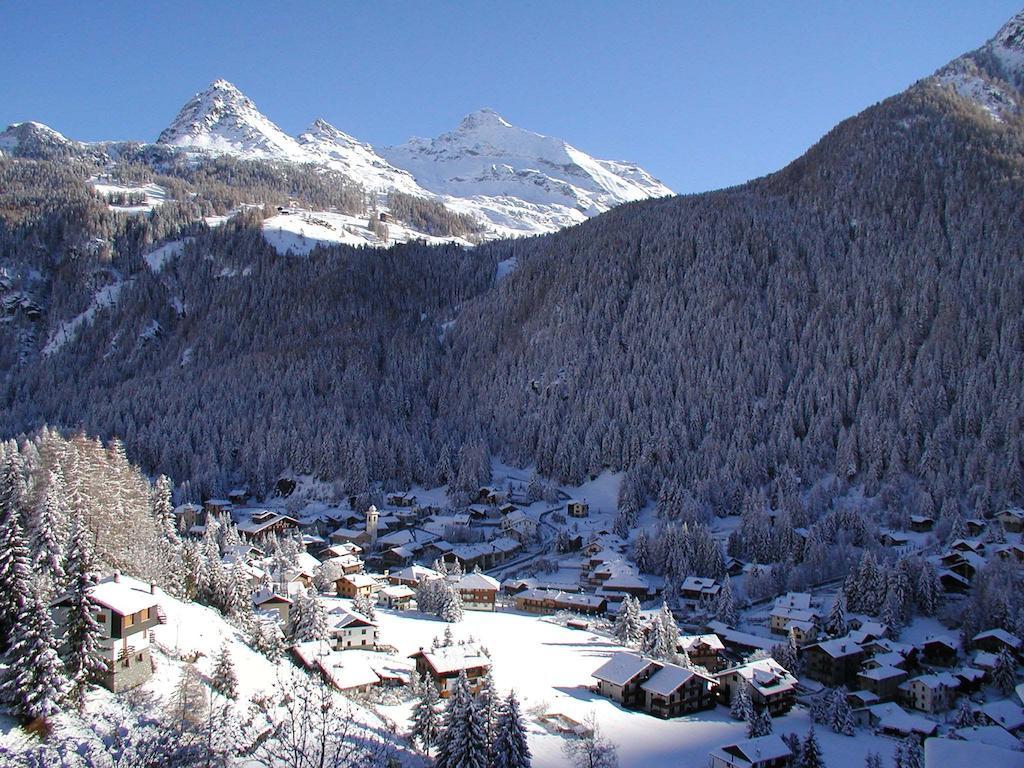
701	94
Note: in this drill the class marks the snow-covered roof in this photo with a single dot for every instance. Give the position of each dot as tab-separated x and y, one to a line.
953	753
479	581
622	667
415	573
987	734
798	600
839	647
882	673
762	749
713	641
893	717
359	580
344	619
667	680
736	637
999	634
269	596
455	658
1004	713
398	591
123	597
945	640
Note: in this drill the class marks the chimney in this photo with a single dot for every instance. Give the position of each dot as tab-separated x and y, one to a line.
152	588
117	576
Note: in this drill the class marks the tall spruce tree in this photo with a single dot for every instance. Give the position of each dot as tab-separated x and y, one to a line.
15	560
426	719
82	633
34	682
511	749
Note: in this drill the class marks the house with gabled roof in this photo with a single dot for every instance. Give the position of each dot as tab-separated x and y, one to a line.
355	585
1012	520
126	611
479	591
703	650
444	665
761	752
673	691
347	629
269	601
620	678
930	693
768	683
995	640
834	662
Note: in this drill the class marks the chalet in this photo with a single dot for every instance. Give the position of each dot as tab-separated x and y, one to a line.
615	588
126	610
968	545
347	629
762	752
782	616
884	681
217	507
492	496
344	672
350	535
953	582
921	523
443	665
737	642
892	720
703	650
734	566
967	564
270	601
834	662
551	600
673	691
985	661
1013	553
577	508
975	526
1003	713
355	585
698	589
397	597
868	632
398	556
930	693
479	591
1012	520
413	575
895	539
401	500
191	518
971	679
345	564
939	650
620	678
238	495
995	640
767	682
340	550
519	526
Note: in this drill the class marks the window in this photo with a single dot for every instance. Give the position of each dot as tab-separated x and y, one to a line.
144	614
129	620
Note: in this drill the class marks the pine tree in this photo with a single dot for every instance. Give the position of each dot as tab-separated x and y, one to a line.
836	624
628	623
223	679
840	713
306	620
511	749
34	682
873	760
82	633
725	605
48	533
15	562
1004	673
426	720
463	743
908	754
450	608
741	708
964	717
810	751
760	724
489	705
363	605
662	638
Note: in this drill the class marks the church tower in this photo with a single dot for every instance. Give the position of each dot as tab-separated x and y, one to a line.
371	524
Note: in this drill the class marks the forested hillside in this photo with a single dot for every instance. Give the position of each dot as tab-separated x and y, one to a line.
857	313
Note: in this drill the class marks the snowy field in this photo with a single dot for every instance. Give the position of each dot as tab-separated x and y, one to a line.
549	666
154	195
299	232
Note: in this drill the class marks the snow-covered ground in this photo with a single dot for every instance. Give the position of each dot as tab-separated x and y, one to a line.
299	232
550	668
68	330
154	195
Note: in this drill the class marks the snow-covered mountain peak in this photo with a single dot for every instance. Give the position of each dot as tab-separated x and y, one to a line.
482	118
1008	46
321	134
223	119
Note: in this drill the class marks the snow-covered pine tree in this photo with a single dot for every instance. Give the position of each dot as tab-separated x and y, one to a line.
741	708
836	624
363	605
224	679
1004	673
628	623
663	636
426	719
964	717
307	620
489	706
873	760
34	682
908	754
840	715
48	534
463	743
450	608
510	749
810	751
725	605
15	559
82	632
760	724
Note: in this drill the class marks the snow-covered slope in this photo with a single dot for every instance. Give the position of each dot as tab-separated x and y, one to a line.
993	75
223	119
